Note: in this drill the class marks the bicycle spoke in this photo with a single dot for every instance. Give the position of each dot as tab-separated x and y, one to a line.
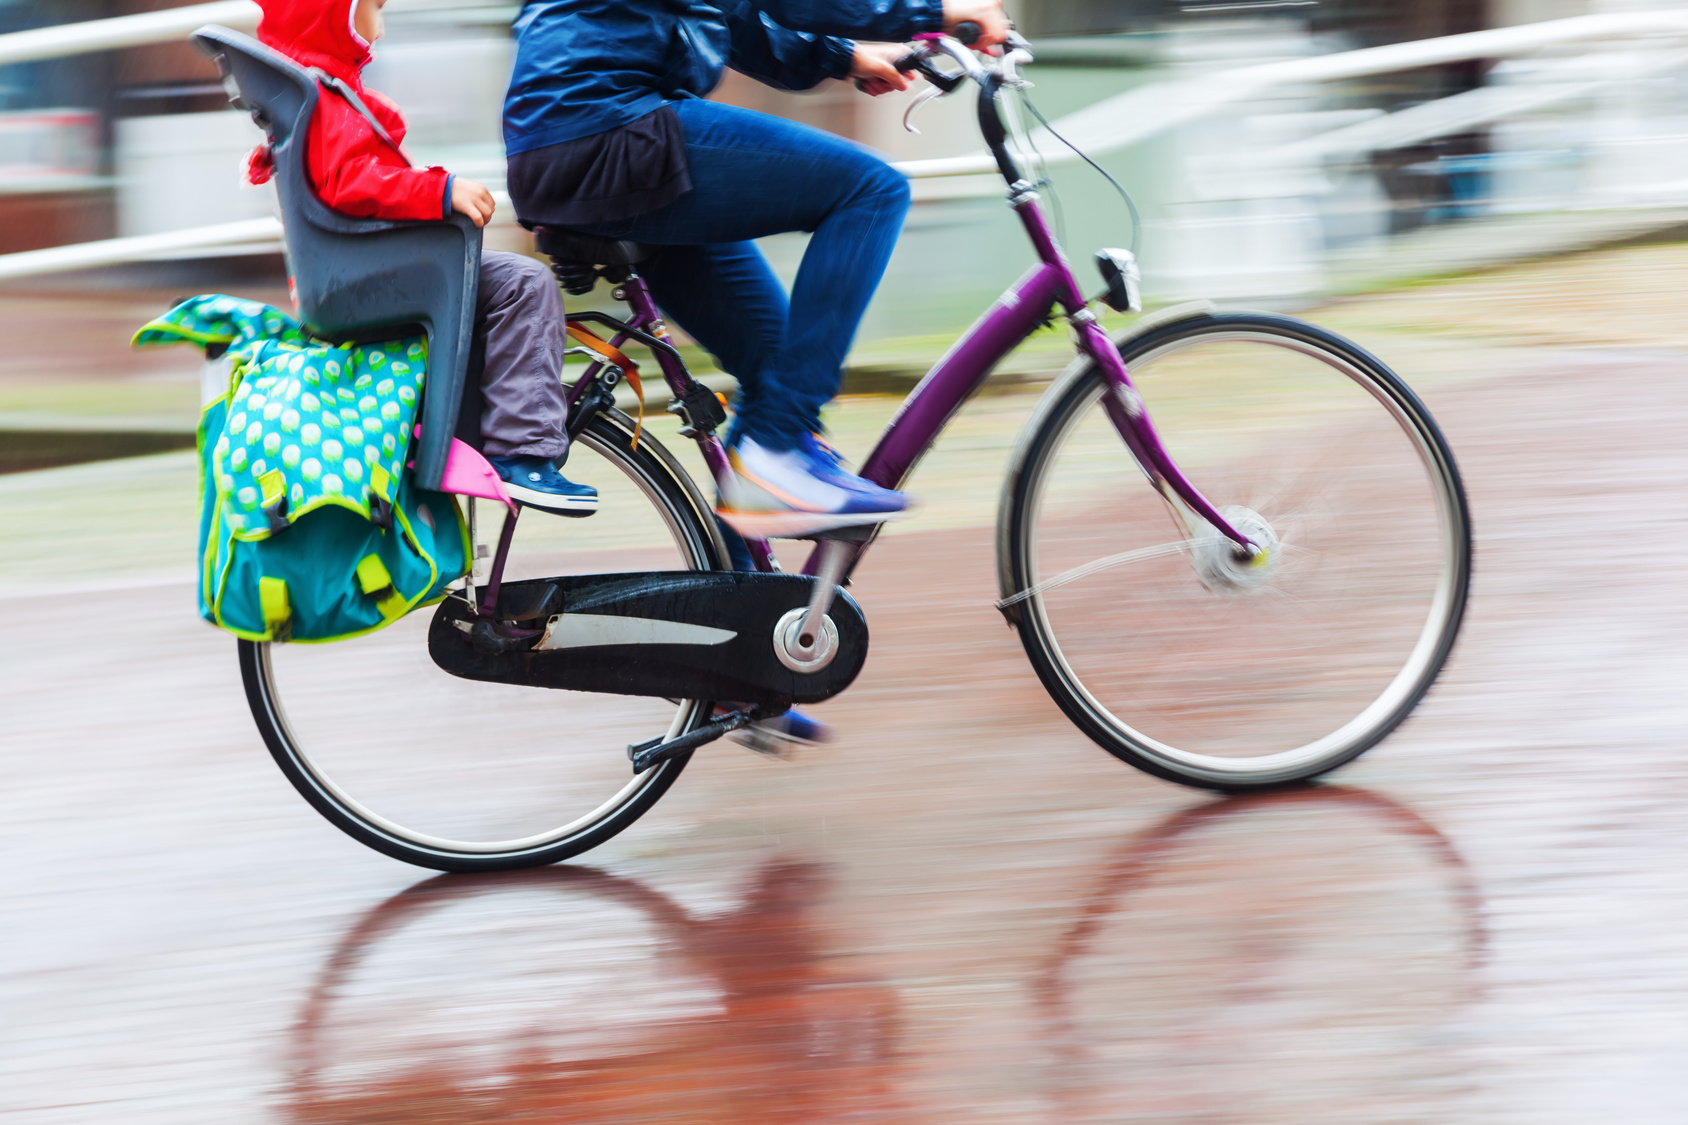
1141	554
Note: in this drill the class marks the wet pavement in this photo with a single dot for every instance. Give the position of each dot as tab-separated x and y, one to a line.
962	911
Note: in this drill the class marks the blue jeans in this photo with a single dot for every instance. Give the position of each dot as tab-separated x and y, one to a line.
752	176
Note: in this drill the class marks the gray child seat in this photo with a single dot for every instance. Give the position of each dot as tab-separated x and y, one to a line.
360	279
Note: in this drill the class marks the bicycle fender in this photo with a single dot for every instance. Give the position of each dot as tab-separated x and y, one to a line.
669	634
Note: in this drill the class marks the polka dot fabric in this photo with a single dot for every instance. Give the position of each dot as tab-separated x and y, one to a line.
309	423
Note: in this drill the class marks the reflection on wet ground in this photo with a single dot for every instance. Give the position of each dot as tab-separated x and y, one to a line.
571	994
961	911
1230	939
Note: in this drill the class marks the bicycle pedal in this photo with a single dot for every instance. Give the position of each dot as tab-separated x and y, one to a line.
769	745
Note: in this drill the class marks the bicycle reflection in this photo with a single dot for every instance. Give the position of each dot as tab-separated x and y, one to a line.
568	994
1292	957
1299	957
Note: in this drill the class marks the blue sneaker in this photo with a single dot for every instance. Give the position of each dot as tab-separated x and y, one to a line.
535	481
798	492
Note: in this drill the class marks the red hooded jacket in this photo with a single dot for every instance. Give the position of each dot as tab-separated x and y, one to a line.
353	170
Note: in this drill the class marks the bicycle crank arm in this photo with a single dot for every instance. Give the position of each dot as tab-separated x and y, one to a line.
654	751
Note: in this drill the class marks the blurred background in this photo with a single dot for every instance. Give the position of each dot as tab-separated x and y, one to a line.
962	911
1276	160
1279	185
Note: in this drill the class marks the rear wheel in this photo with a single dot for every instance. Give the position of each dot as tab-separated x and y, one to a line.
1162	645
460	775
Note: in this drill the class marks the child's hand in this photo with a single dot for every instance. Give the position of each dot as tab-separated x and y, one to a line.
472	200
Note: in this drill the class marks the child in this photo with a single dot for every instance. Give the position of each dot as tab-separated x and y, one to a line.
358	171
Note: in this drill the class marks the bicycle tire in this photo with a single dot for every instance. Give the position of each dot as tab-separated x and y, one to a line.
1183	346
658	476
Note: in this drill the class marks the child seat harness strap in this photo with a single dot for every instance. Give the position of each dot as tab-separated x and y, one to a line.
352	99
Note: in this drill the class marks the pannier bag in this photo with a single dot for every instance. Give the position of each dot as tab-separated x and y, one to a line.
311	527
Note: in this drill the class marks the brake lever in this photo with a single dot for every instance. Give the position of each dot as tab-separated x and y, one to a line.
931	93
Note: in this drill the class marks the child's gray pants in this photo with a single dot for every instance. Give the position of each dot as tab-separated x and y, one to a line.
521	311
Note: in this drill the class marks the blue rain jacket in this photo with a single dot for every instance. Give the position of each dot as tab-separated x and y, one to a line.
586	66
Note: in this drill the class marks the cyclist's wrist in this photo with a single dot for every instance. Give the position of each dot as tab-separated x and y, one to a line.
925	16
838	56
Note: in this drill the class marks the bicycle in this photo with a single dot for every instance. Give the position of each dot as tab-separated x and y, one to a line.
1260	630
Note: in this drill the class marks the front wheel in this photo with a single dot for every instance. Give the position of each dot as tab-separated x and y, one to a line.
1163	646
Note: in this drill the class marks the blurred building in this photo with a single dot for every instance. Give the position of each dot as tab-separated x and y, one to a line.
54	136
1254	199
142	141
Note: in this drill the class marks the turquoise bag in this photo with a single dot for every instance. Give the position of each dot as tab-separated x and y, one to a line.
311	527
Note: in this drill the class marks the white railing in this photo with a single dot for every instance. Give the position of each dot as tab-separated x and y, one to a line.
170	25
1139	114
117	251
1109	125
167	26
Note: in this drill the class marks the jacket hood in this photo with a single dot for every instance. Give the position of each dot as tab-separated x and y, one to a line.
316	33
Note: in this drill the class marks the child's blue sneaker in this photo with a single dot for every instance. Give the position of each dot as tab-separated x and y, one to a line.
797	492
535	481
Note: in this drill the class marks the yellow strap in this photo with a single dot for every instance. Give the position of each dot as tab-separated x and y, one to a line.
274	486
628	368
272	597
372	574
376	582
379	479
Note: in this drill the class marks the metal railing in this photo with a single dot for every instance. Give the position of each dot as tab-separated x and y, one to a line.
167	26
1106	126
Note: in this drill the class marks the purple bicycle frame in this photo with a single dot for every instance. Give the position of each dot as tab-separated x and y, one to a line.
962	370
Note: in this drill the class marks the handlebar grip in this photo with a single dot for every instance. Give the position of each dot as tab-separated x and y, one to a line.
919	61
967	32
910	61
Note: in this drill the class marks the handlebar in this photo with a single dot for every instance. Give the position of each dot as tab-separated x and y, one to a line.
918	60
991	80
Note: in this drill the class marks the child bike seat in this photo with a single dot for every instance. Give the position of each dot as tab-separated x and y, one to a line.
360	279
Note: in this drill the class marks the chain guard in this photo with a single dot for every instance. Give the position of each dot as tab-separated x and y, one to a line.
670	634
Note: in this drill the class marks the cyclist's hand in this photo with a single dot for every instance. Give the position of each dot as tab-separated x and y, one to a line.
988	14
472	200
873	69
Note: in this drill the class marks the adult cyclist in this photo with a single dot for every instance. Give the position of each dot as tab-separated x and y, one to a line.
608	133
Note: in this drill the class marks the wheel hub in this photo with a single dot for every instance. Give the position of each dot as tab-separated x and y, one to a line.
1226	568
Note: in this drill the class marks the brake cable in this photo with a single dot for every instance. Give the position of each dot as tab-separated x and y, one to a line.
1130	204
